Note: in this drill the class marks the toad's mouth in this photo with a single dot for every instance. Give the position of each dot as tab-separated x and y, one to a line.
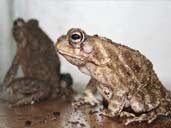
76	60
70	55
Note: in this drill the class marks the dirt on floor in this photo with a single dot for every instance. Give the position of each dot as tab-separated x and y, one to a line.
61	114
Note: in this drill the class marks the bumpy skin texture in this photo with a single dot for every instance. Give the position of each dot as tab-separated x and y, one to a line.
40	64
123	76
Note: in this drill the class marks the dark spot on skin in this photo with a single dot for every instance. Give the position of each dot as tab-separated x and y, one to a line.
82	125
105	92
105	103
128	73
92	112
136	67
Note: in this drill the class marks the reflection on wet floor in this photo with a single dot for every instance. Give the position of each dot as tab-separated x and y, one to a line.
61	114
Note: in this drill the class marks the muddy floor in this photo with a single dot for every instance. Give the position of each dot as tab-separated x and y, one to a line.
61	114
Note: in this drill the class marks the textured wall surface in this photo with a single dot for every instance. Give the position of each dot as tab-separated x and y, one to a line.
145	26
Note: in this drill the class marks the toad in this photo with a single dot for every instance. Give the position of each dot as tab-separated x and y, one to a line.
124	77
40	65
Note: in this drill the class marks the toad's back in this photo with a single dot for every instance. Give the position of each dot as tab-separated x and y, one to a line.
137	71
39	59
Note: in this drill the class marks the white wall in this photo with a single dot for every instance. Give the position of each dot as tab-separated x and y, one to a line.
141	25
5	36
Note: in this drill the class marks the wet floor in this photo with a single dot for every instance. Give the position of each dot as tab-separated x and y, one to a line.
61	114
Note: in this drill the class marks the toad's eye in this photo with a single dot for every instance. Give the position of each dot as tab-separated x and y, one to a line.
76	38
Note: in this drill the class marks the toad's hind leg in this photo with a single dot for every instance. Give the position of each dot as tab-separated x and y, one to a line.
164	109
31	99
27	91
143	117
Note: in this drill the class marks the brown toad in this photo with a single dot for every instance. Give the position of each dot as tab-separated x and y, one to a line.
123	76
40	64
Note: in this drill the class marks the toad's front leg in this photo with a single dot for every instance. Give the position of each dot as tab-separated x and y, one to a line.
89	97
11	73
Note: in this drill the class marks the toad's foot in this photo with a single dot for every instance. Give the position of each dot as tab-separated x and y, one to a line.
88	99
106	113
135	119
142	117
126	114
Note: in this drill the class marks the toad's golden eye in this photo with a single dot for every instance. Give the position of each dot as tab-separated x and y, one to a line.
76	38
